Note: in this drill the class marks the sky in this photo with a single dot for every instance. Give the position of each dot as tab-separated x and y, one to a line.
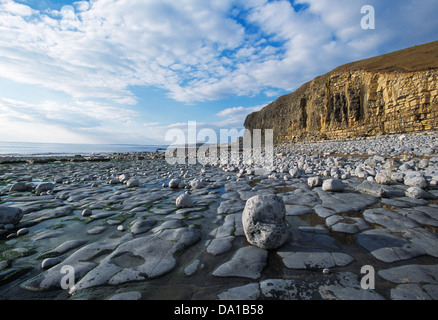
128	71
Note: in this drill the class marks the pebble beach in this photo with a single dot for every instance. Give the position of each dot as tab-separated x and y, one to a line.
134	227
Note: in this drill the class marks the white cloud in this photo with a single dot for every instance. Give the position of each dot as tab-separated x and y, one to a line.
16	8
236	116
63	122
196	50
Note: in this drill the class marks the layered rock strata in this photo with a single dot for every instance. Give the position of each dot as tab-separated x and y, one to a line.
393	93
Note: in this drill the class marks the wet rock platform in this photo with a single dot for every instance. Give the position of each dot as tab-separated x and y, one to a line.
116	223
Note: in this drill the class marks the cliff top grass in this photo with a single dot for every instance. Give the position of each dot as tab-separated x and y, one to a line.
418	58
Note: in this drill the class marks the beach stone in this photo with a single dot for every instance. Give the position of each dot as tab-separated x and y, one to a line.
314	182
383	178
43	187
264	221
50	262
196	184
335	185
124	177
247	262
132	183
416	193
398	176
22	232
174	183
416	181
19	187
371	188
405	167
114	181
184	201
86	212
58	180
192	267
10	215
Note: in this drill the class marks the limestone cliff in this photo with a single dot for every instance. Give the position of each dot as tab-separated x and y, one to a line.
393	93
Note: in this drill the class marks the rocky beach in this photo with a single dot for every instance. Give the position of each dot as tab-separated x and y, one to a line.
132	226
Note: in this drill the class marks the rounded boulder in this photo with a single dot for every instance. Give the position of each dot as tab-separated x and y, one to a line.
264	221
10	215
184	201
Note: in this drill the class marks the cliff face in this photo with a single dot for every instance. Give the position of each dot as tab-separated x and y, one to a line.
394	93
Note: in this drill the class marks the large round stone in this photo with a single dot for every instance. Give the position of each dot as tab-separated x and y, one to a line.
264	221
184	201
10	215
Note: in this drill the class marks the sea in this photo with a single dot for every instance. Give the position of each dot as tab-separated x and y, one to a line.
17	149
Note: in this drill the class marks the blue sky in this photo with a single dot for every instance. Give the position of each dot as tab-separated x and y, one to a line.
127	71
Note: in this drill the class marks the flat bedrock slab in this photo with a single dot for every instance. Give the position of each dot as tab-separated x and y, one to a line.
247	292
414	292
140	259
142	226
342	286
247	262
220	245
81	261
387	247
349	225
414	273
313	259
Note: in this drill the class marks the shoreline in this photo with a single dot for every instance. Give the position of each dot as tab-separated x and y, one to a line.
324	147
374	219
